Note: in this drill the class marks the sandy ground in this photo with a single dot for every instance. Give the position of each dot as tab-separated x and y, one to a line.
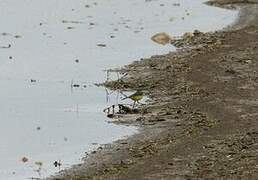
202	120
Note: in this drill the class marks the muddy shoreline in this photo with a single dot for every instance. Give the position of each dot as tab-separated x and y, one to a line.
202	120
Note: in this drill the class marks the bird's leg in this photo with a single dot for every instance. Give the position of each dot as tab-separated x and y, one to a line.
134	103
113	109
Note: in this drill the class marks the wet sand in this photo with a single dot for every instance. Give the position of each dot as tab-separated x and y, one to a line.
202	119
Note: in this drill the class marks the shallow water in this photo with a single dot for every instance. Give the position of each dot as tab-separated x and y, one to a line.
47	120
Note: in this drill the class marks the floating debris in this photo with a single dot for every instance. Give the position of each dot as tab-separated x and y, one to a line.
171	19
57	163
5	34
24	159
161	38
5	47
72	22
18	36
70	27
75	85
101	45
176	4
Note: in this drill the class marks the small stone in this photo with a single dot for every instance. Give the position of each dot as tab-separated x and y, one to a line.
197	32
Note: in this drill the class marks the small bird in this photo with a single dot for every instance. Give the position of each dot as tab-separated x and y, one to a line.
136	97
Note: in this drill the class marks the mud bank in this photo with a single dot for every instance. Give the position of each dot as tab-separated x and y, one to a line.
202	120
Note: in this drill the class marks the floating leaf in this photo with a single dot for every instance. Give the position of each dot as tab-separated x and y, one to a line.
161	38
